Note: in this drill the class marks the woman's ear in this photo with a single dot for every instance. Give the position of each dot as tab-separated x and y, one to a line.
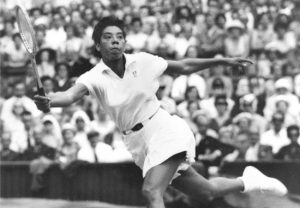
97	47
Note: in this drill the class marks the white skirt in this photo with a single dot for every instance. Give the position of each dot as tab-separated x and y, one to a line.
162	137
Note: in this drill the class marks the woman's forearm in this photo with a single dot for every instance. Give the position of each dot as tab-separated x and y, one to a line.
60	99
195	65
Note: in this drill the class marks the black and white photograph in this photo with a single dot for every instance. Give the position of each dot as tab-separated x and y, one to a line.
149	103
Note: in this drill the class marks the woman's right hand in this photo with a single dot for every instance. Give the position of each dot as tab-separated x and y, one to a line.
42	103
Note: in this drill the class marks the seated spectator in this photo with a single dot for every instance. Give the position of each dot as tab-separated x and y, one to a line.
283	91
217	72
6	40
248	103
208	104
162	36
291	151
41	157
191	94
103	122
39	149
6	153
81	122
284	40
136	38
263	32
166	102
96	151
182	82
257	151
242	122
23	139
276	137
62	77
45	59
70	49
19	94
55	35
237	42
15	54
212	39
13	122
185	39
69	150
51	132
242	144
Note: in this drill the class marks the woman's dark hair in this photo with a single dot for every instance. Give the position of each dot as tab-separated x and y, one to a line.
105	22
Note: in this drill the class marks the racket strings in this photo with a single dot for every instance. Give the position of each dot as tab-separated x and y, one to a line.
26	31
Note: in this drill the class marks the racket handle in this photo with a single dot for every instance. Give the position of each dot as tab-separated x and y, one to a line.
41	92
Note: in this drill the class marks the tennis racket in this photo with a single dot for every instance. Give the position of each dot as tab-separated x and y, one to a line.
28	37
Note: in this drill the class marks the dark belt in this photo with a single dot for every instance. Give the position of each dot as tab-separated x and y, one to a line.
138	126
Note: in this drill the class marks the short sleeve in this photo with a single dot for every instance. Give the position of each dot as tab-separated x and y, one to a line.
158	65
87	80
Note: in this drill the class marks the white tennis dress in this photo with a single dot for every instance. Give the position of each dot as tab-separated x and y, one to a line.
131	100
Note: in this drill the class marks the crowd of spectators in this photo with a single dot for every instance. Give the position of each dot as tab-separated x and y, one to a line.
249	114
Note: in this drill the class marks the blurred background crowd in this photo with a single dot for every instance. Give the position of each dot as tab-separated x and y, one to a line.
250	114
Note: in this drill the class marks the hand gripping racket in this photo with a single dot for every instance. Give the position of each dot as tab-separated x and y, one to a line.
28	37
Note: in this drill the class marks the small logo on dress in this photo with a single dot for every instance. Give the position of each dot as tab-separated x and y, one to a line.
134	73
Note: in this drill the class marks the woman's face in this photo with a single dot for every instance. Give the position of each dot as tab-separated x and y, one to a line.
68	136
192	94
45	56
62	71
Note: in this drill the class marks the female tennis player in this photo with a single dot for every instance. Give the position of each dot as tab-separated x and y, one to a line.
161	145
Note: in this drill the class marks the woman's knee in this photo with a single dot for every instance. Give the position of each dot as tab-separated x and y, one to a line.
152	194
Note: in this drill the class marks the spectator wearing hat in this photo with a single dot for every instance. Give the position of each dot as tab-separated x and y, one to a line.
242	122
283	91
290	118
15	124
276	137
81	122
51	132
208	104
70	148
237	43
248	103
46	61
291	151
